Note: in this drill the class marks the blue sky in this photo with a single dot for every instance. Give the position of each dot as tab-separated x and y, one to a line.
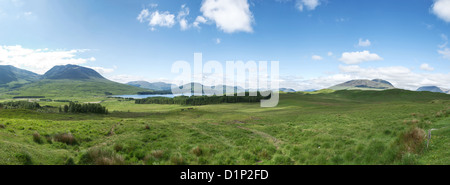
318	42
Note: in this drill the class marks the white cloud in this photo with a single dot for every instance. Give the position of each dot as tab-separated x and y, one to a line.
445	53
426	67
364	43
330	54
102	70
199	20
358	57
441	8
157	18
316	57
40	60
143	16
309	4
181	17
153	5
229	15
218	41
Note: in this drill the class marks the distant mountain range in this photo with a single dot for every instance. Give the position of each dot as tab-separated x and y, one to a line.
68	80
434	89
157	86
61	81
376	84
287	90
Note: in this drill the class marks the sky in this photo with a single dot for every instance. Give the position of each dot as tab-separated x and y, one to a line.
319	43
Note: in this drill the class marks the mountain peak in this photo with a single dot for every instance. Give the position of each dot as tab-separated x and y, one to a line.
9	73
72	72
433	89
376	84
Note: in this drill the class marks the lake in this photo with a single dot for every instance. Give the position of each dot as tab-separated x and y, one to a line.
137	96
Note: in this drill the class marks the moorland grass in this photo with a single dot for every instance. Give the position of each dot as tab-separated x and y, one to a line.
342	127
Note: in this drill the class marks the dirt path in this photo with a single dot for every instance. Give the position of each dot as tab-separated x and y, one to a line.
274	140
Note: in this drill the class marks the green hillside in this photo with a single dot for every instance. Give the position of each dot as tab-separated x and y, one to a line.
342	127
72	88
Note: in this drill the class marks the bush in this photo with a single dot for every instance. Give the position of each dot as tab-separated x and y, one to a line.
2	126
177	160
118	147
157	154
37	138
24	158
98	156
66	138
197	151
413	140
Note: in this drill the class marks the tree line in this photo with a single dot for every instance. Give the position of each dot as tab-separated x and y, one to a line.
20	105
83	108
202	100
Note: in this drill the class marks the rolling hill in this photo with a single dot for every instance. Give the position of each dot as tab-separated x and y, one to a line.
376	84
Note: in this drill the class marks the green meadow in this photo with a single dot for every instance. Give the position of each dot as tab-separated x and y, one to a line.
341	127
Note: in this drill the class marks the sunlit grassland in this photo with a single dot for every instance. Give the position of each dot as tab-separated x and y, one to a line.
344	127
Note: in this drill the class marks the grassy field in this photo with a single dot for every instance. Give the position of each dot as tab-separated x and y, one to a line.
342	127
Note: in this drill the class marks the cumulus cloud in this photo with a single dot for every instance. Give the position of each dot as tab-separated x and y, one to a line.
426	67
441	8
316	57
309	4
364	43
156	18
181	17
445	53
40	60
199	20
229	15
358	57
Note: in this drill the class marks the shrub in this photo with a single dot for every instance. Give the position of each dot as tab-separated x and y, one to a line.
37	138
197	151
157	154
413	140
2	126
24	158
177	160
118	147
69	161
66	138
98	156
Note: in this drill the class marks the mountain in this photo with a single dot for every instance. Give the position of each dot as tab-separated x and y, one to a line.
72	72
61	81
287	90
157	86
224	87
376	84
10	74
434	89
